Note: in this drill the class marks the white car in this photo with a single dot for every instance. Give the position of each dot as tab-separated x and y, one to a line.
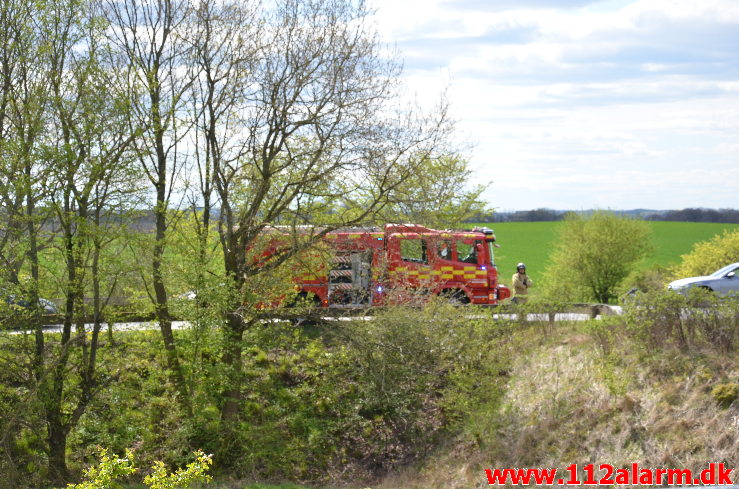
722	282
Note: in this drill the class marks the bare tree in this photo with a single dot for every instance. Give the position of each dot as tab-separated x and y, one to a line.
149	36
301	125
225	39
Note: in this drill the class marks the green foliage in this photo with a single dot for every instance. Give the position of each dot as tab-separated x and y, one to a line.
725	394
645	279
181	478
605	332
708	256
194	256
437	195
656	319
344	399
593	255
22	427
138	404
286	425
419	374
663	318
108	473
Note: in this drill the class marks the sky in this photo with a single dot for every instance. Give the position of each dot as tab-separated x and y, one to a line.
581	104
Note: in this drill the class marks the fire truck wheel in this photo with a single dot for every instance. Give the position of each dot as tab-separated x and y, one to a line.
455	297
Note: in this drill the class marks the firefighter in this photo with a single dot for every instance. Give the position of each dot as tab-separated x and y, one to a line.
445	253
521	284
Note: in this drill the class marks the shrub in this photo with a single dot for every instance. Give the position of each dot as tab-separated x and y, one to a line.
594	255
646	280
657	318
725	394
107	474
660	318
708	256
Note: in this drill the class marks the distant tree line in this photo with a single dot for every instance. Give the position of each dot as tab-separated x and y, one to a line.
540	214
698	215
684	215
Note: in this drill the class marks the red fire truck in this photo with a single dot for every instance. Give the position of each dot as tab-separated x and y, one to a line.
370	266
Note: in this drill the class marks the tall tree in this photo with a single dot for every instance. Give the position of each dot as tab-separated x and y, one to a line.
23	105
149	34
86	156
226	37
300	122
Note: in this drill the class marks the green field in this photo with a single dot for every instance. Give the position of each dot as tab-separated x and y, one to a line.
532	242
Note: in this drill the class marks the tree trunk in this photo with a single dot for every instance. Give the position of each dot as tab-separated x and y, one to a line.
232	361
162	307
33	259
57	439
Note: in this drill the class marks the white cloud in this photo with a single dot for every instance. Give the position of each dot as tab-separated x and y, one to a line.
654	67
644	92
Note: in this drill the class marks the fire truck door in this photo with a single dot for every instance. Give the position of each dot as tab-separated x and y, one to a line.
410	260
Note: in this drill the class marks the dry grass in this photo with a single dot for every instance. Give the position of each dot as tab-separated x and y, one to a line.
569	403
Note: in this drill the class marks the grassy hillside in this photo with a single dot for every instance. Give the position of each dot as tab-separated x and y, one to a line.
594	393
419	398
532	242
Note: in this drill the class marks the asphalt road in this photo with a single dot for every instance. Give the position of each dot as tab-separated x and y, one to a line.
176	325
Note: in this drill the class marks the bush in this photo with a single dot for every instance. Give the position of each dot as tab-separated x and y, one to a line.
661	318
708	256
657	319
645	280
110	470
344	399
594	255
725	394
418	374
717	318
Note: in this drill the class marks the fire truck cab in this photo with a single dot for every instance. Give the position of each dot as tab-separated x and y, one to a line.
405	262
